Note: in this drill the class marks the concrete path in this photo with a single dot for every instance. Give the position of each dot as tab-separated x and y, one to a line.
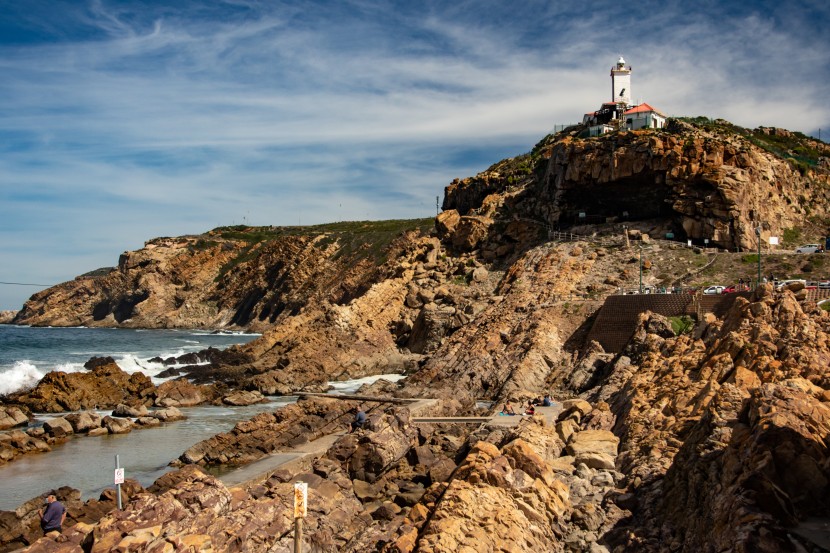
261	469
299	458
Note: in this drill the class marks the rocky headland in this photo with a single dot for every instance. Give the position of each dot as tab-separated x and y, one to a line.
708	436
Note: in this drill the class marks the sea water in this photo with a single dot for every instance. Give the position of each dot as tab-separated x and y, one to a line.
28	353
88	463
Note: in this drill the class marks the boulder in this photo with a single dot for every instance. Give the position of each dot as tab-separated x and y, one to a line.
84	421
596	460
146	422
180	393
16	442
58	427
446	222
480	274
168	414
243	397
593	441
471	232
117	425
123	410
11	416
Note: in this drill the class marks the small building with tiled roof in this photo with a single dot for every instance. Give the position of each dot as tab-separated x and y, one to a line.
644	117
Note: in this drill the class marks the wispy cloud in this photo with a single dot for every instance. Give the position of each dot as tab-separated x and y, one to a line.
125	120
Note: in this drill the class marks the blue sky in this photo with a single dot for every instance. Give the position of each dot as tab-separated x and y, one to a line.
122	121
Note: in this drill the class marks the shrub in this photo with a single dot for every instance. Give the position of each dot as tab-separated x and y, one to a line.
682	324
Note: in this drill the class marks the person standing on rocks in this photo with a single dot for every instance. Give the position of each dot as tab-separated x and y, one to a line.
52	516
359	419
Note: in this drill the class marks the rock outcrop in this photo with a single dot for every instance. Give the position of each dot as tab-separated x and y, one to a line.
723	438
7	316
703	183
11	416
103	387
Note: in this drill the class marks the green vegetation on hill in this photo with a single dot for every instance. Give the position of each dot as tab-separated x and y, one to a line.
355	240
103	271
795	147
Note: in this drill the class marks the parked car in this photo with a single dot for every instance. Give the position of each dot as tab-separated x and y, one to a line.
713	290
808	248
730	289
824	284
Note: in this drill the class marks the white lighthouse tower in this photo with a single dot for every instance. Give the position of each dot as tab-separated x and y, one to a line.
621	83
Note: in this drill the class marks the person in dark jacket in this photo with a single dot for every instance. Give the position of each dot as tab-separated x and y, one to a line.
359	419
52	516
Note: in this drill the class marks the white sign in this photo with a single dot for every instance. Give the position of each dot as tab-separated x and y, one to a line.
773	240
300	499
119	476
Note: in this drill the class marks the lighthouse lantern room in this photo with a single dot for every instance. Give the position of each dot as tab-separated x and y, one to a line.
621	83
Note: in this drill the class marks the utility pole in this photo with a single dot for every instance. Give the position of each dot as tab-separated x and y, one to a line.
437	208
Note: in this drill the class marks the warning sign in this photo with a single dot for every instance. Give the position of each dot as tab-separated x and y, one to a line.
300	499
119	476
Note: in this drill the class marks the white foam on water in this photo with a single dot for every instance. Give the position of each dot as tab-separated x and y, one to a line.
130	364
70	367
351	386
20	376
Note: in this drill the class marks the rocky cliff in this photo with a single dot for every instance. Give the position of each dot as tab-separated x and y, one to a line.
715	440
236	277
712	438
711	181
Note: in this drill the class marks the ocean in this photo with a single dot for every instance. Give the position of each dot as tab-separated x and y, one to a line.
28	353
87	463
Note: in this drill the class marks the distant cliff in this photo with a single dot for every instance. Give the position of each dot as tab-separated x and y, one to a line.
238	277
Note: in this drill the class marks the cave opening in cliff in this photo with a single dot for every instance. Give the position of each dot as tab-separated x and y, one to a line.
634	198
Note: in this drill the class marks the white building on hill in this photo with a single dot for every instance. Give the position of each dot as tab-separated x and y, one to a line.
619	113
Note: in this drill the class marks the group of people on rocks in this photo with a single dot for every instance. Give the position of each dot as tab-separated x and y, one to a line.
527	409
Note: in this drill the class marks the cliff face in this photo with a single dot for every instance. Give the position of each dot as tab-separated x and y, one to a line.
696	182
238	278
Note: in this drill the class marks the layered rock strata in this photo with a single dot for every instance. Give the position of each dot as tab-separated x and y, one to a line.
702	183
723	437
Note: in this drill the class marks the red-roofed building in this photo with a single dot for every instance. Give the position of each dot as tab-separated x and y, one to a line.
644	117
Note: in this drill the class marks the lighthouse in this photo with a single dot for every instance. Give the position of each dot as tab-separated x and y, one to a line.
621	83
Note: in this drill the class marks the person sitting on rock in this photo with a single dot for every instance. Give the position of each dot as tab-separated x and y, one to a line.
530	410
52	516
359	419
508	409
547	401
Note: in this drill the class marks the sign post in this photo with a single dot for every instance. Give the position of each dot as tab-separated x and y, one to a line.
300	501
119	479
